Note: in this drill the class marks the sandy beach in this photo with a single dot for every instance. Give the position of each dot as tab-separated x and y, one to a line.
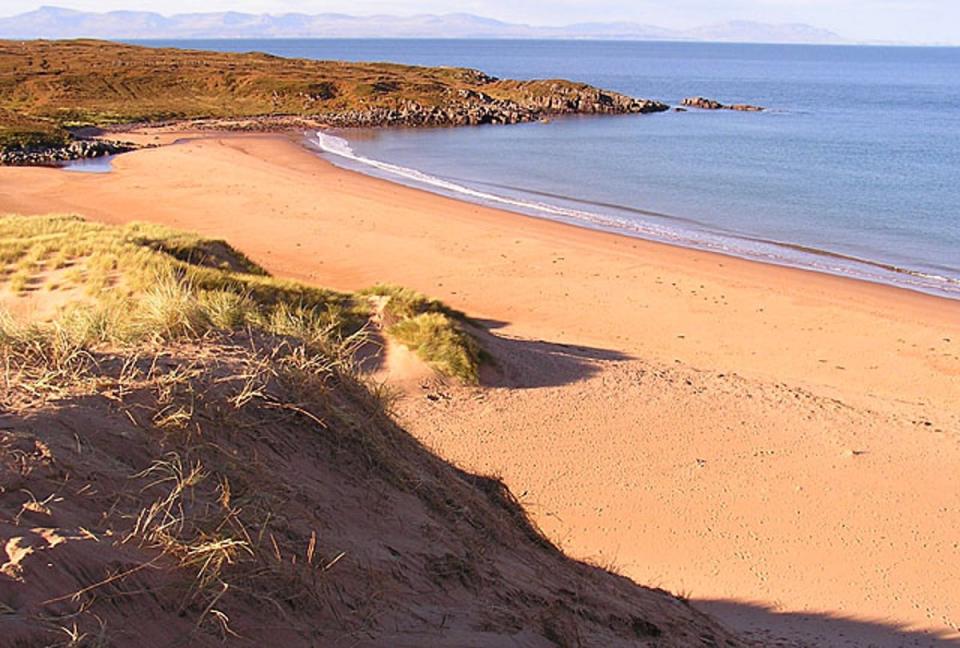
777	445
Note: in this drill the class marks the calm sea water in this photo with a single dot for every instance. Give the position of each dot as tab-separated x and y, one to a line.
855	169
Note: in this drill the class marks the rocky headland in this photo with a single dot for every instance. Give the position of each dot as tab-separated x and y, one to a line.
63	88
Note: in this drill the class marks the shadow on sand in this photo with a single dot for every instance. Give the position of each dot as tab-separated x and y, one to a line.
525	364
370	357
818	628
512	362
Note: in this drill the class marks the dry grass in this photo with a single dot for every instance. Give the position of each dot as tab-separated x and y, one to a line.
48	87
211	416
148	288
209	519
144	282
259	345
253	362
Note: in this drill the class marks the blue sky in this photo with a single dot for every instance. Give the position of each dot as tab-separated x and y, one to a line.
897	20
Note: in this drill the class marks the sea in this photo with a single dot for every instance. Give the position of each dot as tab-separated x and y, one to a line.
853	169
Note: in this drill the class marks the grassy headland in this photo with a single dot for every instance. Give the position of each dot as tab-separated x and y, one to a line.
49	88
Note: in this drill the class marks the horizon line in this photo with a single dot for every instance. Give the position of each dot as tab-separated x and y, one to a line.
830	37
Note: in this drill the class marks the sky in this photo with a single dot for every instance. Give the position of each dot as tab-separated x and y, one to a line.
921	21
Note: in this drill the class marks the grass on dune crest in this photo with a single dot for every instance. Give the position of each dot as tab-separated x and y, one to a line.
193	335
431	329
401	303
144	282
437	338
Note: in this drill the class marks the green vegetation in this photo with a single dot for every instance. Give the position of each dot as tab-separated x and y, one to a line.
402	303
143	282
430	328
442	342
24	132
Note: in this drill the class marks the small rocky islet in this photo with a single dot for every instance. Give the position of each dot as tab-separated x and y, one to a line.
712	104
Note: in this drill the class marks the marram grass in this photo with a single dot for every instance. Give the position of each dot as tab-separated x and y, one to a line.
144	282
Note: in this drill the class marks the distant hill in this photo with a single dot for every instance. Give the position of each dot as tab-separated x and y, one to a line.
54	22
747	31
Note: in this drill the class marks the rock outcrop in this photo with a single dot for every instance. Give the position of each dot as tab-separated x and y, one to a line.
466	107
458	107
712	104
53	155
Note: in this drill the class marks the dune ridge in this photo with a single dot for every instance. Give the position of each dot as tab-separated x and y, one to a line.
189	454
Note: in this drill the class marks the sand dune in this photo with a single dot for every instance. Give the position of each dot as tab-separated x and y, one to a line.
775	443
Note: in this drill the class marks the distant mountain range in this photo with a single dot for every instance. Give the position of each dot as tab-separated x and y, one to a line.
54	22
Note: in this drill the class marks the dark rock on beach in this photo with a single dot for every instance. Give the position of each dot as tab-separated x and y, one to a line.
52	155
712	104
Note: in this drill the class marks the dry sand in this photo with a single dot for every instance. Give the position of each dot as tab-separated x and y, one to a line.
777	444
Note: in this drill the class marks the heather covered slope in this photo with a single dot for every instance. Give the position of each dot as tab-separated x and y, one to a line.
48	86
198	470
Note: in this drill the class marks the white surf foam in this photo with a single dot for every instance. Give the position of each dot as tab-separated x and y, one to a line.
340	147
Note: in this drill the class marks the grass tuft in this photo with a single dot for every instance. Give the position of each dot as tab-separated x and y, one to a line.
440	341
171	310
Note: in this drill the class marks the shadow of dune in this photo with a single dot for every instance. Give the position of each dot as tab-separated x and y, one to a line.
525	364
490	324
449	557
369	357
789	629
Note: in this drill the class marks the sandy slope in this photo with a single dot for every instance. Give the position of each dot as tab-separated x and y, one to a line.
737	431
762	500
353	534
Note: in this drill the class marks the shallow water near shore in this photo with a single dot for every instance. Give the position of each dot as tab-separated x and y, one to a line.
852	170
102	164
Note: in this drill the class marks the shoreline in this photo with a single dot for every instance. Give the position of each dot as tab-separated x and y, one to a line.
702	422
174	185
174	134
771	251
